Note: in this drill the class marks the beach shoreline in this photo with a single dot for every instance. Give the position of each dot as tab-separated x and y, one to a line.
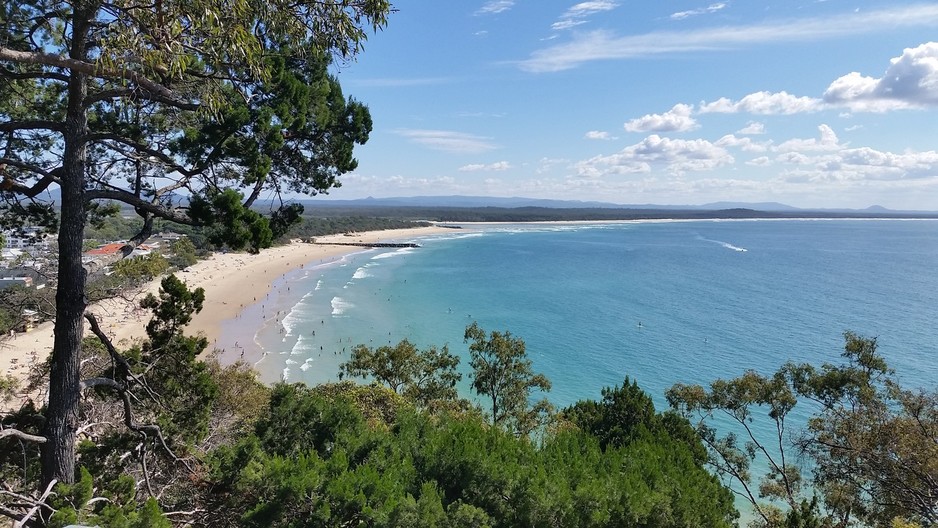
233	282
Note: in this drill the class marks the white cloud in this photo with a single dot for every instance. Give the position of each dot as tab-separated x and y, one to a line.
476	167
562	25
910	81
547	164
761	161
598	134
676	155
763	103
602	45
712	8
677	119
743	143
448	141
827	141
495	6
588	8
575	15
754	128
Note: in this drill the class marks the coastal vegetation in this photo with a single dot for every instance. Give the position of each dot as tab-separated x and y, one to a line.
138	104
168	439
204	115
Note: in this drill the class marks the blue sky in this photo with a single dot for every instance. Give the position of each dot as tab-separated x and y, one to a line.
812	103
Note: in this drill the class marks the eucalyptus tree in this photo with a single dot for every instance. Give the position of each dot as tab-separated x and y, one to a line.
872	444
502	373
425	376
185	110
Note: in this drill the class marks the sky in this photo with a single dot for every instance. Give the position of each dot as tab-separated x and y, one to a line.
811	103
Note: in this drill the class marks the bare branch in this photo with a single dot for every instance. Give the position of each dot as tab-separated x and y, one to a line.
40	503
22	436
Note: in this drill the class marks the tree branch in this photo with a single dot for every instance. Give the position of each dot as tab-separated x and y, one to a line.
119	93
139	203
57	61
48	178
40	503
22	436
140	148
37	124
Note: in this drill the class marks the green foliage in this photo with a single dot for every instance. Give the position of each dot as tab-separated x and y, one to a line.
874	442
232	224
184	253
502	372
241	398
133	103
136	271
424	376
626	414
185	385
871	442
314	462
115	506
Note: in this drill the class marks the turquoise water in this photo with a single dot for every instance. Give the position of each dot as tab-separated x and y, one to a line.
661	302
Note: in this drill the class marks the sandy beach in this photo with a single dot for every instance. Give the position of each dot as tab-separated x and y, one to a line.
232	282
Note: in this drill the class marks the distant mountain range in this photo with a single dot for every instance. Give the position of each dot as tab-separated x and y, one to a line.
455	201
515	202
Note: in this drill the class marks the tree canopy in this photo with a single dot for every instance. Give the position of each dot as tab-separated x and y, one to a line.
425	376
186	111
502	373
872	444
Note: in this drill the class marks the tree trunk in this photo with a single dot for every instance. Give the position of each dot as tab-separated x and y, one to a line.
58	453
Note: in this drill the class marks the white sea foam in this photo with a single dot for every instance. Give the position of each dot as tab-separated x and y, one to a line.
360	273
398	253
340	305
457	237
291	362
306	364
286	374
318	285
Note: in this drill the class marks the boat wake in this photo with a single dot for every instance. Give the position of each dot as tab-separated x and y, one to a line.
727	245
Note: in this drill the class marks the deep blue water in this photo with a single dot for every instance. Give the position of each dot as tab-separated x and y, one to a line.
660	302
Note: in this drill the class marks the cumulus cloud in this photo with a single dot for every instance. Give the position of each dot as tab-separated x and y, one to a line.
712	8
827	141
761	161
863	164
575	15
754	128
763	103
495	6
677	119
910	81
449	141
743	143
476	167
825	160
676	155
598	134
603	45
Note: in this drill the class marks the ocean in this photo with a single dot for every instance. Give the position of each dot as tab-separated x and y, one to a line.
660	302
